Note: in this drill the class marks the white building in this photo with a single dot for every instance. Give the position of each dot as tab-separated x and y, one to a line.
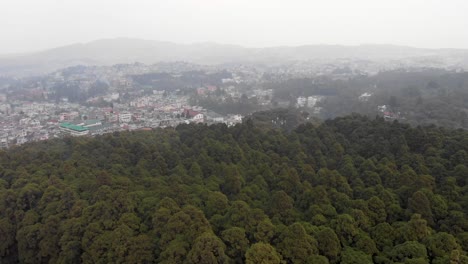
21	140
313	100
198	118
218	119
23	133
301	101
24	121
382	108
4	143
114	96
125	117
237	118
364	97
35	122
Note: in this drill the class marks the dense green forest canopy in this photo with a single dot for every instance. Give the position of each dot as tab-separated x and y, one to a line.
350	190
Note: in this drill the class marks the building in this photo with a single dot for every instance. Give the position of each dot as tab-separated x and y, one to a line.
233	120
4	143
237	118
382	108
68	116
201	91
21	140
365	97
301	101
73	130
125	117
91	123
198	118
211	88
189	113
313	100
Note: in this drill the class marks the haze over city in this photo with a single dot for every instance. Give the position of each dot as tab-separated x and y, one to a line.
29	25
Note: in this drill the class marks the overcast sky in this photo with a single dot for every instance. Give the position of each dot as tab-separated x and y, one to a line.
29	25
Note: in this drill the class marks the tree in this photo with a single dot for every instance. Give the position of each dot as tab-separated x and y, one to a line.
233	181
28	239
365	244
7	243
216	203
383	234
281	203
346	229
420	204
352	256
416	229
410	250
261	253
207	249
328	244
296	245
175	252
264	231
236	242
377	210
441	244
205	194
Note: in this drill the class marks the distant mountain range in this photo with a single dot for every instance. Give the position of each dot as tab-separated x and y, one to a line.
125	50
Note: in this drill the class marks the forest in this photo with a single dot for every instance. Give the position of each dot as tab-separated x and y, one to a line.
352	189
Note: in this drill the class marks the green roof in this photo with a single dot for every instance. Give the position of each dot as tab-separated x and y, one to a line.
73	127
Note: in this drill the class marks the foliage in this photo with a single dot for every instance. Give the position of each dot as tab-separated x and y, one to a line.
350	190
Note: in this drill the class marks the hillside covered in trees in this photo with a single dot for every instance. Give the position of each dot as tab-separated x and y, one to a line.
350	190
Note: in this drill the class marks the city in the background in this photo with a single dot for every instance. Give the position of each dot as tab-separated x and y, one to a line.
93	100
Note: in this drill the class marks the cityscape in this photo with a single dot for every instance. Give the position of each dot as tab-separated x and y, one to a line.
93	100
29	114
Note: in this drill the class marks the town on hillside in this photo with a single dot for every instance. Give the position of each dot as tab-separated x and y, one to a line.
93	100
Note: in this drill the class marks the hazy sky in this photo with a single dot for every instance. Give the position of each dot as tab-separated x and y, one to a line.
27	25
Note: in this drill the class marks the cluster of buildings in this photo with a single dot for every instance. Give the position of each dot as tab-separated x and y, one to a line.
72	101
43	109
24	121
388	114
310	102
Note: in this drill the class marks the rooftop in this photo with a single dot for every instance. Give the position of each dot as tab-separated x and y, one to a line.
73	127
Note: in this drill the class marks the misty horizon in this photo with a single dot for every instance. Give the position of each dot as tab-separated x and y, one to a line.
30	26
26	52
